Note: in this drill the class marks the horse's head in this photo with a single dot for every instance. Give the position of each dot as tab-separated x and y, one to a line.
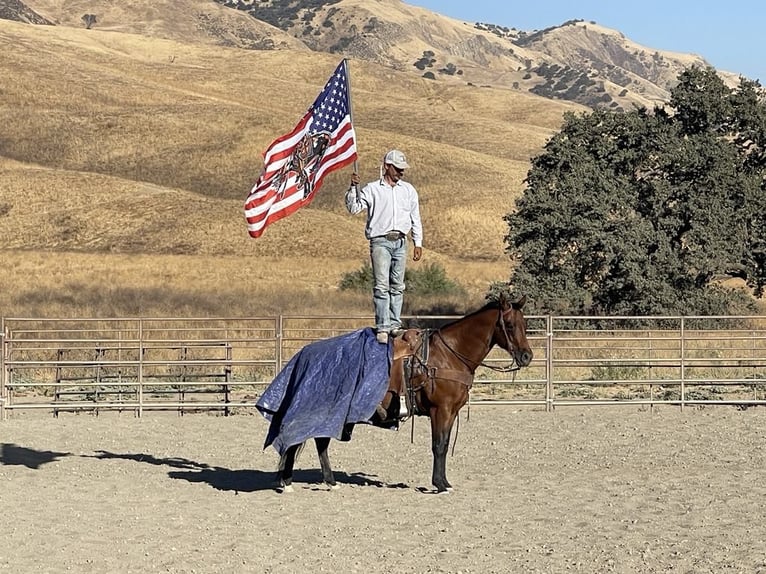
511	331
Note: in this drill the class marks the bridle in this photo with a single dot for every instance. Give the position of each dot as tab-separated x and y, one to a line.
432	374
513	366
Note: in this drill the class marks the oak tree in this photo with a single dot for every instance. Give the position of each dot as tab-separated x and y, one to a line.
648	211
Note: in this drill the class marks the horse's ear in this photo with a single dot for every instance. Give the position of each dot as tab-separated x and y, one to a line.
520	303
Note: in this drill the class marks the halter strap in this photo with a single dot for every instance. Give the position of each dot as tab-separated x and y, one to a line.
466	360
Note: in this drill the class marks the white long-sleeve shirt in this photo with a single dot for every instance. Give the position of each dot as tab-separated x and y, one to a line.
389	208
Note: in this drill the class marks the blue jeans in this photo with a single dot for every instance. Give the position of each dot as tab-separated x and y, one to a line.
388	261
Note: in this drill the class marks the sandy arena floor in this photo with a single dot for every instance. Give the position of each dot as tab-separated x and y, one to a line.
604	489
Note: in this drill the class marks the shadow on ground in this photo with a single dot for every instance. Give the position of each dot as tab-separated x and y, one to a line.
241	480
15	455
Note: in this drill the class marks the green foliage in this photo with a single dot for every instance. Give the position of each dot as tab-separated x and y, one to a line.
426	61
500	290
618	373
580	392
371	25
89	20
450	69
342	43
283	14
359	280
644	212
429	279
691	394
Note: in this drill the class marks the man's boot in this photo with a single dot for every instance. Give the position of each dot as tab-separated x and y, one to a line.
403	412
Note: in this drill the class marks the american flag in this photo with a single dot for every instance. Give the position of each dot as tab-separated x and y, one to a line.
295	164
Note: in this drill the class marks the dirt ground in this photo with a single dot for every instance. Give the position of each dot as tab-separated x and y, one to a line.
599	489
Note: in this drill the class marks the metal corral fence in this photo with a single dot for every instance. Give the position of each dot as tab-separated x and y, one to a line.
223	364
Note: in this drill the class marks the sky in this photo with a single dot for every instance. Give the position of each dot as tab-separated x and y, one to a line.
727	34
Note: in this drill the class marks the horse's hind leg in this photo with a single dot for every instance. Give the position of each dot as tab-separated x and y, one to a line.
323	444
285	471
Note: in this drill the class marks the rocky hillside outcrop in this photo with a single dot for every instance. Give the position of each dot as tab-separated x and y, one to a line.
577	61
20	12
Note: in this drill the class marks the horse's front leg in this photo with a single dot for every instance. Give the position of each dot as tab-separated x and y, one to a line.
323	444
441	427
285	470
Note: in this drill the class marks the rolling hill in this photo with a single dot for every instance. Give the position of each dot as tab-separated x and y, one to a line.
129	145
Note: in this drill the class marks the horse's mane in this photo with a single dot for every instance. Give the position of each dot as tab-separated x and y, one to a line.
492	304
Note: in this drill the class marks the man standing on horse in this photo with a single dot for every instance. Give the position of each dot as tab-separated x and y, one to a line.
393	211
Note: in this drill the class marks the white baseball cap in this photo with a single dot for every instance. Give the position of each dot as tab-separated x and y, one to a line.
397	159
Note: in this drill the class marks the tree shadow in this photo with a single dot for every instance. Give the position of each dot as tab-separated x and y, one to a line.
238	481
15	455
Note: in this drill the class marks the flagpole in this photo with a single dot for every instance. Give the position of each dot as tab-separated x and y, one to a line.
351	113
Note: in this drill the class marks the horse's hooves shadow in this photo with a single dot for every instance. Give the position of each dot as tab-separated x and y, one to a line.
424	490
314	477
225	479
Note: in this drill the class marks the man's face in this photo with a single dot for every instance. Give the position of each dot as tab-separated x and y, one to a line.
394	173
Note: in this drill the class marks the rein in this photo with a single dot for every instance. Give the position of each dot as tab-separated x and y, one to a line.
431	374
466	360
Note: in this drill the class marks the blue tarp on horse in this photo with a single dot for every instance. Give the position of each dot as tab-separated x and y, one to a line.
325	386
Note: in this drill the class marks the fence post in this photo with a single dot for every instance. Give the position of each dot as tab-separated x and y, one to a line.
278	328
2	373
227	378
549	364
140	368
683	364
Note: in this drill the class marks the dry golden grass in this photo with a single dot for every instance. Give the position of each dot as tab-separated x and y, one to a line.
125	160
198	21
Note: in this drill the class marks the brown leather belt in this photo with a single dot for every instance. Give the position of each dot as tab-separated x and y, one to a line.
394	235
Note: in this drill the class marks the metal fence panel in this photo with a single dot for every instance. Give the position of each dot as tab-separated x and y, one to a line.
223	364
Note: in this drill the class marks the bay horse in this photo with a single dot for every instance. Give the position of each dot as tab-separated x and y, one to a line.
438	384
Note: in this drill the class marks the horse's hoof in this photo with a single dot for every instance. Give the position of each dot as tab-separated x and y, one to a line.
282	488
335	486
